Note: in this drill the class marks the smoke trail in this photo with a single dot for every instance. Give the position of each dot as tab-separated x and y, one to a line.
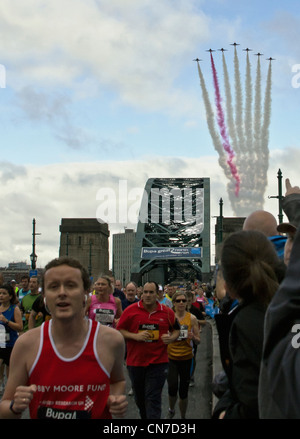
221	123
229	107
267	115
248	107
211	124
266	124
239	103
257	110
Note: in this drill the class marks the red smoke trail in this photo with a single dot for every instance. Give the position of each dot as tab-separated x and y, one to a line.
222	126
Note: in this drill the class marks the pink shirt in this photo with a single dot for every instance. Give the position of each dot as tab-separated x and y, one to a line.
103	312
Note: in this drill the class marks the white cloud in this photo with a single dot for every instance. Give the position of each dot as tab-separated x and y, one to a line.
49	193
137	50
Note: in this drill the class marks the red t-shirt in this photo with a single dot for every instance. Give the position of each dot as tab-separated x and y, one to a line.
69	388
136	318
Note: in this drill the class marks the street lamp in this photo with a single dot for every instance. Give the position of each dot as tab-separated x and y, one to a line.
33	259
33	256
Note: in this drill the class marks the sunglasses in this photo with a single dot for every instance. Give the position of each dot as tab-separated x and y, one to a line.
180	300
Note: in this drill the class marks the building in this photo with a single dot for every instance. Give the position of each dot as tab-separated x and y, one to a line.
123	244
86	239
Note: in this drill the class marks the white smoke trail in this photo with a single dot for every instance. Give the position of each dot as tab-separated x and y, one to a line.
257	111
248	108
266	125
239	103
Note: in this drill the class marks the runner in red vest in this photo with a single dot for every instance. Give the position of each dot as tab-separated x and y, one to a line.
71	367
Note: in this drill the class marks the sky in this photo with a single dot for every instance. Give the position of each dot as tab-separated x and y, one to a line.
97	92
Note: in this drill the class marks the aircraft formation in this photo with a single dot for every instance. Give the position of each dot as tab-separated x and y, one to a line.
235	44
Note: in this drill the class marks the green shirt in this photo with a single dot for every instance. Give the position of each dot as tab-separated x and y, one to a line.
26	308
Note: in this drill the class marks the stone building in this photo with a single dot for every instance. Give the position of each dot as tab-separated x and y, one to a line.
86	240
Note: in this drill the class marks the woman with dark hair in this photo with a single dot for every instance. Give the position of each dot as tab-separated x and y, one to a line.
10	322
252	272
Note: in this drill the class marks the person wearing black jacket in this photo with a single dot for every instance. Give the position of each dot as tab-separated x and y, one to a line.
281	355
251	269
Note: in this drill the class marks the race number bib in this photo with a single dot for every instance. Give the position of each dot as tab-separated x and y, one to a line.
4	337
184	331
105	316
153	330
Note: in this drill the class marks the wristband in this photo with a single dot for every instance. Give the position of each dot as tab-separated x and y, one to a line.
11	408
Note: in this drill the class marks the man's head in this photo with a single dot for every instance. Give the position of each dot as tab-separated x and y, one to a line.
118	284
71	262
150	295
131	291
66	284
34	285
25	281
262	221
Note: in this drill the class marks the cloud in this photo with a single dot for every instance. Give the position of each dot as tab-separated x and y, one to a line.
49	193
137	51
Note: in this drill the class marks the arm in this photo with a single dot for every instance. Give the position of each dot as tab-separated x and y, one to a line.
139	336
16	389
17	325
119	308
194	334
115	353
31	320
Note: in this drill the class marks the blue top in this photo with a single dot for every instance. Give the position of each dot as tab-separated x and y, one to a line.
8	336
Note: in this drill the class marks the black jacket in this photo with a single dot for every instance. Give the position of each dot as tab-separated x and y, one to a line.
245	345
281	354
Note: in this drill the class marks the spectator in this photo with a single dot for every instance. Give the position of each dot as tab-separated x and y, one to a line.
266	223
251	270
148	327
279	393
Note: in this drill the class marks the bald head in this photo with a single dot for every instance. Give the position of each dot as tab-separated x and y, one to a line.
263	221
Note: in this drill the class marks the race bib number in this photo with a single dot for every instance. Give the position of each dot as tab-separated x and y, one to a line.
184	331
153	331
105	316
4	337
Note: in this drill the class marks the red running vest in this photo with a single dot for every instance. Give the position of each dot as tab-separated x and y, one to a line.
69	388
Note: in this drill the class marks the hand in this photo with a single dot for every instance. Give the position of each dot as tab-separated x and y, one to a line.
291	189
23	396
167	338
3	318
117	405
142	336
